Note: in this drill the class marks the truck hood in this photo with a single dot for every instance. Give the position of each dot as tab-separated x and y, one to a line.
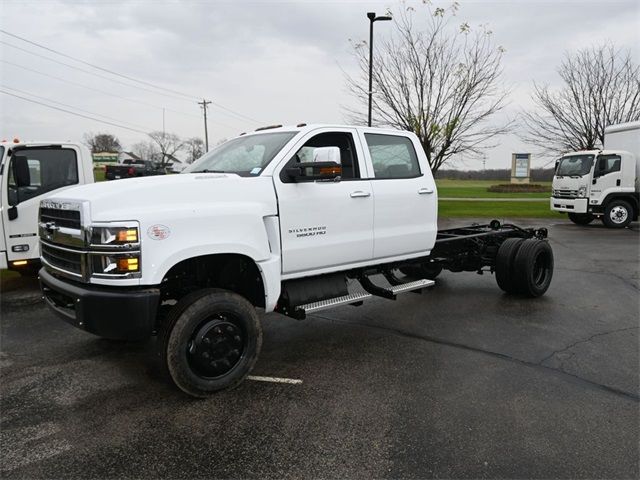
138	198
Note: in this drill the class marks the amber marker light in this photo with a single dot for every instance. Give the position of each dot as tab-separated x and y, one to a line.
130	235
128	264
19	263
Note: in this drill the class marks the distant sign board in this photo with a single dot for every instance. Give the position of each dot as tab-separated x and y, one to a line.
105	157
520	167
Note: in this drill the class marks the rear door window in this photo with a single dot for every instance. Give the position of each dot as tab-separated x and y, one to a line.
392	156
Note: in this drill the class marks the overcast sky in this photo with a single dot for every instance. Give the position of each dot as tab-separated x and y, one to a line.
270	61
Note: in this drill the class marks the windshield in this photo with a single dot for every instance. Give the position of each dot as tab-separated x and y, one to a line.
245	156
574	166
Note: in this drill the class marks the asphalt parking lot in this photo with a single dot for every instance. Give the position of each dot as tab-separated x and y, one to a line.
461	381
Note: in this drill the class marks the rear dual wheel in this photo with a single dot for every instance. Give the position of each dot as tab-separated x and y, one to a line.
210	341
524	266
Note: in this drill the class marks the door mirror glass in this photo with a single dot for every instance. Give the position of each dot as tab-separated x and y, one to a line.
326	154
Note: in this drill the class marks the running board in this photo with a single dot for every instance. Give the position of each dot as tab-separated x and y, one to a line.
352	299
394	290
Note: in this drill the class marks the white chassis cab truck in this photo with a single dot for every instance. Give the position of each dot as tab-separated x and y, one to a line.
287	219
601	183
29	172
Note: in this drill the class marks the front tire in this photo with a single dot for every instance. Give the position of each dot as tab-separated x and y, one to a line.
210	341
581	218
617	214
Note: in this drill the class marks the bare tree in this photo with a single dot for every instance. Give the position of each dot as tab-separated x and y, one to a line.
102	142
601	87
438	80
168	143
195	148
147	150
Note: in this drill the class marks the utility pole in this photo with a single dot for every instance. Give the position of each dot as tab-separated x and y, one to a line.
204	103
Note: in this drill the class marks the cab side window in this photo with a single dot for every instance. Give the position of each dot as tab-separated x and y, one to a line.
607	164
392	156
49	169
342	140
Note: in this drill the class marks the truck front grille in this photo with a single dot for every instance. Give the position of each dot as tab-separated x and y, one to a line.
61	258
565	194
62	218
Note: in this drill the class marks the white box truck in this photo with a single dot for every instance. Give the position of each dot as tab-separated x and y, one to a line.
29	172
601	183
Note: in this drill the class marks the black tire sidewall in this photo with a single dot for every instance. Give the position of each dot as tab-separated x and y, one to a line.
524	273
504	264
606	219
190	314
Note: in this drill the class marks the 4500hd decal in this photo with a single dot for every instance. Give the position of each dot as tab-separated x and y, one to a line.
308	231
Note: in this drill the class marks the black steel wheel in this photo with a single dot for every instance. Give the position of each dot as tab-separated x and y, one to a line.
617	214
210	341
533	267
581	218
505	264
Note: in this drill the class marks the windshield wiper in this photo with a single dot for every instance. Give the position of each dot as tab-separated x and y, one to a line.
208	171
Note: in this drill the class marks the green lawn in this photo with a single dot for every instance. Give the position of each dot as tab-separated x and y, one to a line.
453	208
478	189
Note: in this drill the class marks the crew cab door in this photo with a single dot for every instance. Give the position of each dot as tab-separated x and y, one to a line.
50	169
329	223
406	206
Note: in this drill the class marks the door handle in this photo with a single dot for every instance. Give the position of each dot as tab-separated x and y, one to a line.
359	193
424	191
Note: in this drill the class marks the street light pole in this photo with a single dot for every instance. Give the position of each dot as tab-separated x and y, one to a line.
372	18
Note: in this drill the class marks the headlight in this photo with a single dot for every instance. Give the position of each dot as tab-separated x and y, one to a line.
582	191
114	235
120	264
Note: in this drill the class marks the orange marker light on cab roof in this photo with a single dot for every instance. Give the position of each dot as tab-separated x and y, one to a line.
16	140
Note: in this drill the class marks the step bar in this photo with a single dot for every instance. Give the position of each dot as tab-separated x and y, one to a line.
357	298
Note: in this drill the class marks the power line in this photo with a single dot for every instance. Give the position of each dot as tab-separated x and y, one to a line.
71	106
73	113
143	82
222	107
88	72
104	92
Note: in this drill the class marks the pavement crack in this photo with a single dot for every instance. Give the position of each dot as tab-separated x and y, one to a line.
534	365
587	340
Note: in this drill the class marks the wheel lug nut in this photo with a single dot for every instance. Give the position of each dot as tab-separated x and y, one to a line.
230	329
237	338
205	355
206	340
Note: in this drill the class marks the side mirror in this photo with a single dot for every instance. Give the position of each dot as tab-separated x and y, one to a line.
21	174
327	154
12	212
310	171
